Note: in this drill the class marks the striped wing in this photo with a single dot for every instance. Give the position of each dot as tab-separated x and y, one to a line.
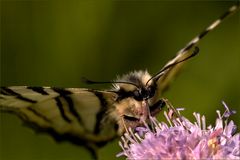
72	114
168	76
188	51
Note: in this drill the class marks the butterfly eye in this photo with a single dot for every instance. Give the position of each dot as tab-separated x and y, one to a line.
137	95
151	91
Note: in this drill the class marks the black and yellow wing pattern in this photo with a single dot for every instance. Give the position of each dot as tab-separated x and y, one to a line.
72	114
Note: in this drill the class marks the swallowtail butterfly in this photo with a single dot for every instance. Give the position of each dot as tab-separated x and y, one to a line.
94	117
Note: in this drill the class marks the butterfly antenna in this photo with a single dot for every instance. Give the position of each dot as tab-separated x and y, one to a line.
162	71
87	81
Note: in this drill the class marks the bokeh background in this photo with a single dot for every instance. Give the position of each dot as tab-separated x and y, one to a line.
55	43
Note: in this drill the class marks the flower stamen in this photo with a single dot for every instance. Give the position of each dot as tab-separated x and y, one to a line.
180	138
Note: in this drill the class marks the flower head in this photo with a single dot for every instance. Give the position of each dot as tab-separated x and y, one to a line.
182	139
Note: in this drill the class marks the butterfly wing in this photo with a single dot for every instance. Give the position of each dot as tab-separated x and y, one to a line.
72	114
173	67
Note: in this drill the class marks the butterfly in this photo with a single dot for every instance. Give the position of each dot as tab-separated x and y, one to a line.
92	117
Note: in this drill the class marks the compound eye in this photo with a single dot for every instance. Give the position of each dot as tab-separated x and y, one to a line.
137	95
151	91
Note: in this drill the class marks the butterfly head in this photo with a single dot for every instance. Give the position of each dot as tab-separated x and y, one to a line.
137	86
133	100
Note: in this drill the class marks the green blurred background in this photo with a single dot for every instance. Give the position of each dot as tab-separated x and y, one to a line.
55	43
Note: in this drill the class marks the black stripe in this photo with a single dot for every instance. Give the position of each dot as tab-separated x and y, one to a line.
38	90
188	47
64	93
3	92
203	34
72	108
101	112
60	107
61	91
9	91
38	114
221	18
225	15
19	96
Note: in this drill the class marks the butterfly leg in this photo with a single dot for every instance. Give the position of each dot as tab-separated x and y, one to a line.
156	107
172	112
124	125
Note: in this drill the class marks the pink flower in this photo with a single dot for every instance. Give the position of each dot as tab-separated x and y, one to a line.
182	139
